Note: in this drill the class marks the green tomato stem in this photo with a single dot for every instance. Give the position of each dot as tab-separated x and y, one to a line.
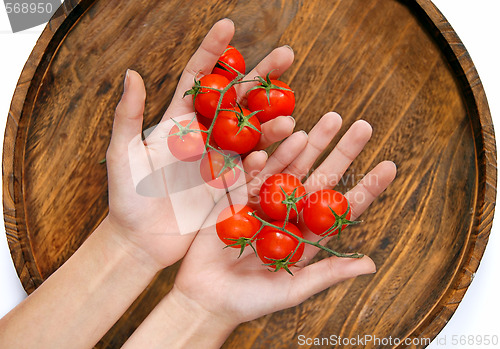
219	103
305	241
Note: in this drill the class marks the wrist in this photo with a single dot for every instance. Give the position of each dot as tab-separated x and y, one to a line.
129	250
83	298
180	322
202	325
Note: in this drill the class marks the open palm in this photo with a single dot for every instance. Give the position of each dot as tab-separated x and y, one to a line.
217	280
143	175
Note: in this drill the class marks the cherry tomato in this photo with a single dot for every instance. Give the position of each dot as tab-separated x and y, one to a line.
187	143
237	130
273	98
203	120
234	224
220	170
318	215
206	100
275	244
232	58
274	202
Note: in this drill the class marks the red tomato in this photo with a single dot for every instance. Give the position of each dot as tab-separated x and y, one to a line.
206	99
232	58
235	226
275	203
187	143
318	215
237	130
220	170
273	98
273	244
203	120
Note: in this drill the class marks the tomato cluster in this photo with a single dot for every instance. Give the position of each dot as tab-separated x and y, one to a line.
223	130
279	243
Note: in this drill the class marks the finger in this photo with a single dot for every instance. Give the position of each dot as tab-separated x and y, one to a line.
276	62
204	59
328	174
254	163
372	185
275	130
323	274
126	153
319	137
280	159
129	111
360	198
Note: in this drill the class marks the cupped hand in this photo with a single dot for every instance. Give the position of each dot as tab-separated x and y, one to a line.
146	207
241	289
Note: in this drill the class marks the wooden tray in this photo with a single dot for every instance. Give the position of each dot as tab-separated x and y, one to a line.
396	64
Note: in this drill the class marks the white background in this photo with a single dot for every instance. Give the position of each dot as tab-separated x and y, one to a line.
476	23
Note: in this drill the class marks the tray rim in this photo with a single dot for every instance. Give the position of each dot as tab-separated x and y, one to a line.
450	44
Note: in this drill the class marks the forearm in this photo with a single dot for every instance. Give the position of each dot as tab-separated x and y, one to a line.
79	302
178	322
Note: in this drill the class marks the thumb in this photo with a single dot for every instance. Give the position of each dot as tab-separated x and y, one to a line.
319	276
129	111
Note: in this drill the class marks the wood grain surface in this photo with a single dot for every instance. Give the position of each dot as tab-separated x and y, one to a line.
397	64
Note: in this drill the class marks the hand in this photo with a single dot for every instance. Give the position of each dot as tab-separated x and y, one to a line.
149	223
215	280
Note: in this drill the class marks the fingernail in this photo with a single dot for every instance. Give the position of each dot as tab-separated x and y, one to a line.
372	269
293	119
367	272
228	19
288	47
264	152
126	82
304	132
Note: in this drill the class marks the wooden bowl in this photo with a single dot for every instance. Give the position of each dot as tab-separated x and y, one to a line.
396	64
